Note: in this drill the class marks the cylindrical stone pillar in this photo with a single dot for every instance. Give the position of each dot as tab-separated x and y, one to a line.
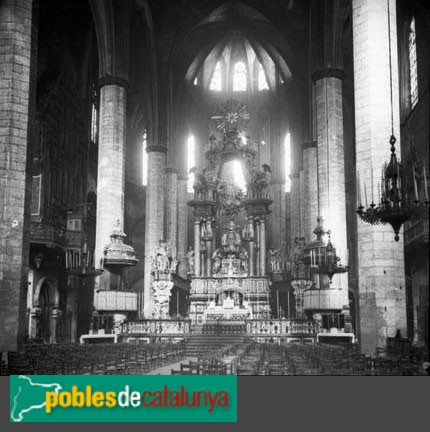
262	247
53	322
18	71
182	229
258	247
154	222
209	258
331	165
301	231
172	208
110	176
295	205
310	195
251	257
197	240
381	274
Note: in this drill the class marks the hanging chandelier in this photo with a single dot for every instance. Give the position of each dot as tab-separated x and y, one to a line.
393	207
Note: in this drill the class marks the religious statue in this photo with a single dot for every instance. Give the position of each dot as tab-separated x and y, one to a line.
231	259
231	240
274	260
216	261
212	144
200	182
207	232
297	252
243	256
163	262
190	261
161	259
260	179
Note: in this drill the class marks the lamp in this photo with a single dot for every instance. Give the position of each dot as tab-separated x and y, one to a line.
394	207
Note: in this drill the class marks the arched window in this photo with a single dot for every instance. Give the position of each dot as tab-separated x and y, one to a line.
413	75
262	81
94	117
239	77
191	162
144	159
216	81
287	162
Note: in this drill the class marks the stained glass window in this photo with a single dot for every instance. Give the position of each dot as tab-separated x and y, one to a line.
287	162
94	118
239	77
262	81
413	76
144	160
216	81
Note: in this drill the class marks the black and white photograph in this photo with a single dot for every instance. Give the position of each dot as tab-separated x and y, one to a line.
214	187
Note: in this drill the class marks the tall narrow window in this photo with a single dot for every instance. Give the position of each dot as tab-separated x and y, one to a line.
287	162
216	81
413	76
144	159
94	118
239	77
191	161
262	81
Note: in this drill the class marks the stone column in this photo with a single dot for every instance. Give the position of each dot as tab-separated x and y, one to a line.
331	165
209	249
197	248
258	245
381	275
34	322
295	205
172	208
251	256
310	196
278	217
301	231
111	174
18	54
154	221
262	247
53	321
182	228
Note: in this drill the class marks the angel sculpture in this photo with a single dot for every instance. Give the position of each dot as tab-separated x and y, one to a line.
260	179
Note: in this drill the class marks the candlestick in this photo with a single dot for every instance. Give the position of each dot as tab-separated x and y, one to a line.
358	189
365	195
371	181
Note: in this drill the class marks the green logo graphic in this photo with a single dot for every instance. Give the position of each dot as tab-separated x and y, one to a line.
123	398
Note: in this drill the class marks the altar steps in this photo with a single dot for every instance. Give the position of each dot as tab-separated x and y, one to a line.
200	345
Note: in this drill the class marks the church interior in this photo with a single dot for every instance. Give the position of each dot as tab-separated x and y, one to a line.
209	187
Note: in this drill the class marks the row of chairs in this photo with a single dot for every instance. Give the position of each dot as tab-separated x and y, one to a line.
201	367
323	359
99	359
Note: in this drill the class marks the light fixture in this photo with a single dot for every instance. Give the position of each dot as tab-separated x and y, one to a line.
394	207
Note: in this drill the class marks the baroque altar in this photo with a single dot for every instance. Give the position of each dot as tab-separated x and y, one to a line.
227	265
